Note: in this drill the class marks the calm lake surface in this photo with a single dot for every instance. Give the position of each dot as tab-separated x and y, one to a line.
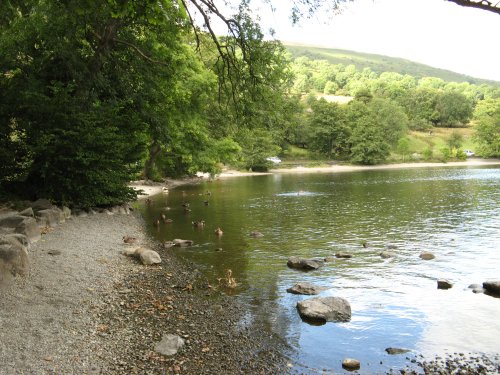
451	212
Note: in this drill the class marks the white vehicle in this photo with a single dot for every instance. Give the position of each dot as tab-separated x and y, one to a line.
469	153
274	159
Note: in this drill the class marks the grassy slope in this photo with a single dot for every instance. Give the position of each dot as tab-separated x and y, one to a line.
419	141
380	64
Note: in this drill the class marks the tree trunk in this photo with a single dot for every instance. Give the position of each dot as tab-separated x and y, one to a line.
154	151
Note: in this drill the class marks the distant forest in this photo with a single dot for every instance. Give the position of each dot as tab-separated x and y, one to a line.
380	64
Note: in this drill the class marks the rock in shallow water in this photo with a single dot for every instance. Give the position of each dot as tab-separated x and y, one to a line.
394	351
444	284
492	286
303	264
325	309
306	288
425	255
351	364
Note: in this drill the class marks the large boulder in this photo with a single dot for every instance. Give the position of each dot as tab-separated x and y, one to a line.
304	264
50	217
492	287
41	204
325	309
146	256
15	223
306	288
13	255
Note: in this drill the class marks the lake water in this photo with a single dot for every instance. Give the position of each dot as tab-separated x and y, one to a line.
451	212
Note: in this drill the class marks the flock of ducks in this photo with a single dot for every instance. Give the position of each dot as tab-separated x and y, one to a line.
185	205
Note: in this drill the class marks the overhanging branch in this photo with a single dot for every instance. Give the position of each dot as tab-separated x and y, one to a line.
482	4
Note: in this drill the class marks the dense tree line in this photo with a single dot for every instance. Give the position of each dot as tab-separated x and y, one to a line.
94	94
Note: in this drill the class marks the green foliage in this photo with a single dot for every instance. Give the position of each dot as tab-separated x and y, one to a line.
403	147
428	154
369	144
445	154
454	109
487	135
454	141
329	130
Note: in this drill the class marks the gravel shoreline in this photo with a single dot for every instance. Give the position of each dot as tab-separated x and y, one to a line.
87	309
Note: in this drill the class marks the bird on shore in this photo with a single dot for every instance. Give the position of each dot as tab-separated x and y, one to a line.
218	232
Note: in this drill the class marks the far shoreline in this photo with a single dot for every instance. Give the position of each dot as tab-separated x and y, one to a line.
150	188
355	168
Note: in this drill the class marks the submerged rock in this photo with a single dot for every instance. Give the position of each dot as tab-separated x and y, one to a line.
425	255
387	254
306	288
325	309
256	234
394	351
303	264
343	255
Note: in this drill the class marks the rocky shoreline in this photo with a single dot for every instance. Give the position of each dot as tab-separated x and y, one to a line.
85	308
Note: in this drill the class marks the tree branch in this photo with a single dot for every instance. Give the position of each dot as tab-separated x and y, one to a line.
482	4
140	52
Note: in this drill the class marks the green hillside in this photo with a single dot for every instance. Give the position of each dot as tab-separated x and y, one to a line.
380	64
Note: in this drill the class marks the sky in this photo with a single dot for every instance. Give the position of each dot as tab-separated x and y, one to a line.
433	32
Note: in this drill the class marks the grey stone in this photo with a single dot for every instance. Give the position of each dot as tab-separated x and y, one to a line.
303	264
66	212
326	309
306	288
351	364
11	219
169	345
14	222
148	256
387	254
50	217
27	212
13	256
29	228
41	204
